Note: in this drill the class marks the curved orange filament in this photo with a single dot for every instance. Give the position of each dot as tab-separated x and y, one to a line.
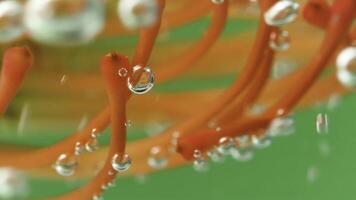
339	24
198	50
233	104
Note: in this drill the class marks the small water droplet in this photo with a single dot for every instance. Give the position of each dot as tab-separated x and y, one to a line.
217	1
122	72
279	41
281	13
91	145
262	141
121	164
111	184
242	154
10	21
346	67
97	197
218	129
63	80
226	144
322	124
280	112
215	155
138	13
281	126
333	102
111	173
78	149
157	158
94	133
140	178
128	123
174	141
312	174
145	82
200	164
104	187
66	165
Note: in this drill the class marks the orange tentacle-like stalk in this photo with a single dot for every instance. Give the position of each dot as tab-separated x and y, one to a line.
338	27
16	62
229	111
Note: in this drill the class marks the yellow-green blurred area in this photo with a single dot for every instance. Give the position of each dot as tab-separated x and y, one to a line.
64	89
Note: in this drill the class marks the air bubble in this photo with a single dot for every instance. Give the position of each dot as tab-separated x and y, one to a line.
262	141
281	13
66	165
13	184
136	14
281	126
91	145
97	197
322	124
215	155
11	27
121	164
346	67
225	145
145	82
279	41
200	164
122	72
78	149
157	158
217	1
64	22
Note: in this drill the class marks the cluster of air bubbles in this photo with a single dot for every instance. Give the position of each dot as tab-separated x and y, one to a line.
121	163
141	81
281	126
279	40
66	164
136	14
322	123
92	144
281	13
64	22
158	158
217	1
13	184
11	27
346	67
200	163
